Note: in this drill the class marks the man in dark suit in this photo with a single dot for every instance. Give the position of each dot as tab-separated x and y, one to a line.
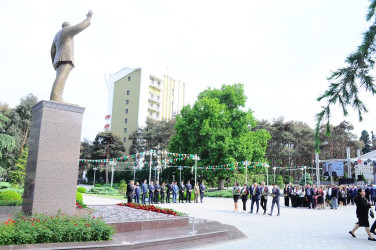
309	192
144	189
202	191
151	192
275	194
181	192
168	192
157	192
334	197
137	193
130	191
264	193
189	192
255	197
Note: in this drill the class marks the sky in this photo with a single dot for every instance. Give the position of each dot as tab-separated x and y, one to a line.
282	51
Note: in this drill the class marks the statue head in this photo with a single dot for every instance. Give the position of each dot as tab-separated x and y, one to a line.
65	24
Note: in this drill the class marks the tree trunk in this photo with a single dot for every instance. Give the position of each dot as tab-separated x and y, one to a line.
221	183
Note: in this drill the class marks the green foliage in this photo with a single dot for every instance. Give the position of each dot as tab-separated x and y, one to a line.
219	131
10	203
79	197
364	178
303	179
227	193
103	190
81	190
7	142
346	82
122	187
49	229
4	185
18	172
10	195
97	185
365	138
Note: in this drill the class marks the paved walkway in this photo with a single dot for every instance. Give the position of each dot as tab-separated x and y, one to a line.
296	228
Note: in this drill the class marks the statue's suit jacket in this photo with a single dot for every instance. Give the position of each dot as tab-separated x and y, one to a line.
62	49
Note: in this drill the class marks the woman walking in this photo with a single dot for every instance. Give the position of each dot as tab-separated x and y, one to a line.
286	194
244	194
236	194
362	208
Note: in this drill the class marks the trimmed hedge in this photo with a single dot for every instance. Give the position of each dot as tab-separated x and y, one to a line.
103	190
81	190
10	195
227	193
79	197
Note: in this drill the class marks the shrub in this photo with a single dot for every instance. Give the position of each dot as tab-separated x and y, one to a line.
227	193
122	187
97	185
103	190
10	195
10	203
49	229
79	197
81	190
4	185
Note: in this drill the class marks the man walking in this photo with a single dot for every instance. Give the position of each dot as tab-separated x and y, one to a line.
309	193
275	194
255	196
169	191
264	193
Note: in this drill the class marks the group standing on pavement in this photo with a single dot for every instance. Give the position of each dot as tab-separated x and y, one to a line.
162	193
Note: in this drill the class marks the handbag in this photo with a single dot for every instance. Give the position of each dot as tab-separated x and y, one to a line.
371	213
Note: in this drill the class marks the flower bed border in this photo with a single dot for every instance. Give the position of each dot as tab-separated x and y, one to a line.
151	208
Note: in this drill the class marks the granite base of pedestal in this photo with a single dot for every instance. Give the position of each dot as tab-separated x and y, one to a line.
52	165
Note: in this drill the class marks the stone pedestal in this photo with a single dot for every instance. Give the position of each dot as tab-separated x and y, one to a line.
52	164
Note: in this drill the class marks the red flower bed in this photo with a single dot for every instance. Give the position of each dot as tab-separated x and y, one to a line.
150	208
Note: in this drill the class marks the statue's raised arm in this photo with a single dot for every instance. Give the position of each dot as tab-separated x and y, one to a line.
62	54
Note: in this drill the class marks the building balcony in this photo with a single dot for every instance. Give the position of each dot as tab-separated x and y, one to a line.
154	109
155	85
155	99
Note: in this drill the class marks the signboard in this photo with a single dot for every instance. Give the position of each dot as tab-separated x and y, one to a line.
333	168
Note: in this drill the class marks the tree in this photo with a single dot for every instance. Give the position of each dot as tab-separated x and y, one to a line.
86	152
365	138
18	173
306	178
7	142
219	131
107	145
346	82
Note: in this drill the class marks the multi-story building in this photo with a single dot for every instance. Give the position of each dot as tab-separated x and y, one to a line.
136	94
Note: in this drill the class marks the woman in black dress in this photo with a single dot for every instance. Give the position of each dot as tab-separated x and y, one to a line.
236	195
244	196
287	195
362	208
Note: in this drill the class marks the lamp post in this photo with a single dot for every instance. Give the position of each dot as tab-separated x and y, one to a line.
95	169
274	173
348	162
196	159
151	159
246	171
267	177
112	172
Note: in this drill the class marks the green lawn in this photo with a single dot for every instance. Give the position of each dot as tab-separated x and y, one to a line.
118	197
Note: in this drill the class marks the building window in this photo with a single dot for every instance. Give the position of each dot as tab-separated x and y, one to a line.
126	120
129	78
126	111
125	139
125	130
128	92
127	102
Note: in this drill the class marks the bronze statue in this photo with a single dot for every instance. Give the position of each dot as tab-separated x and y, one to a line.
62	51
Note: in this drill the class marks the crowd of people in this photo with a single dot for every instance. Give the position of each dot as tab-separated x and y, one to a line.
256	194
311	197
323	196
155	193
